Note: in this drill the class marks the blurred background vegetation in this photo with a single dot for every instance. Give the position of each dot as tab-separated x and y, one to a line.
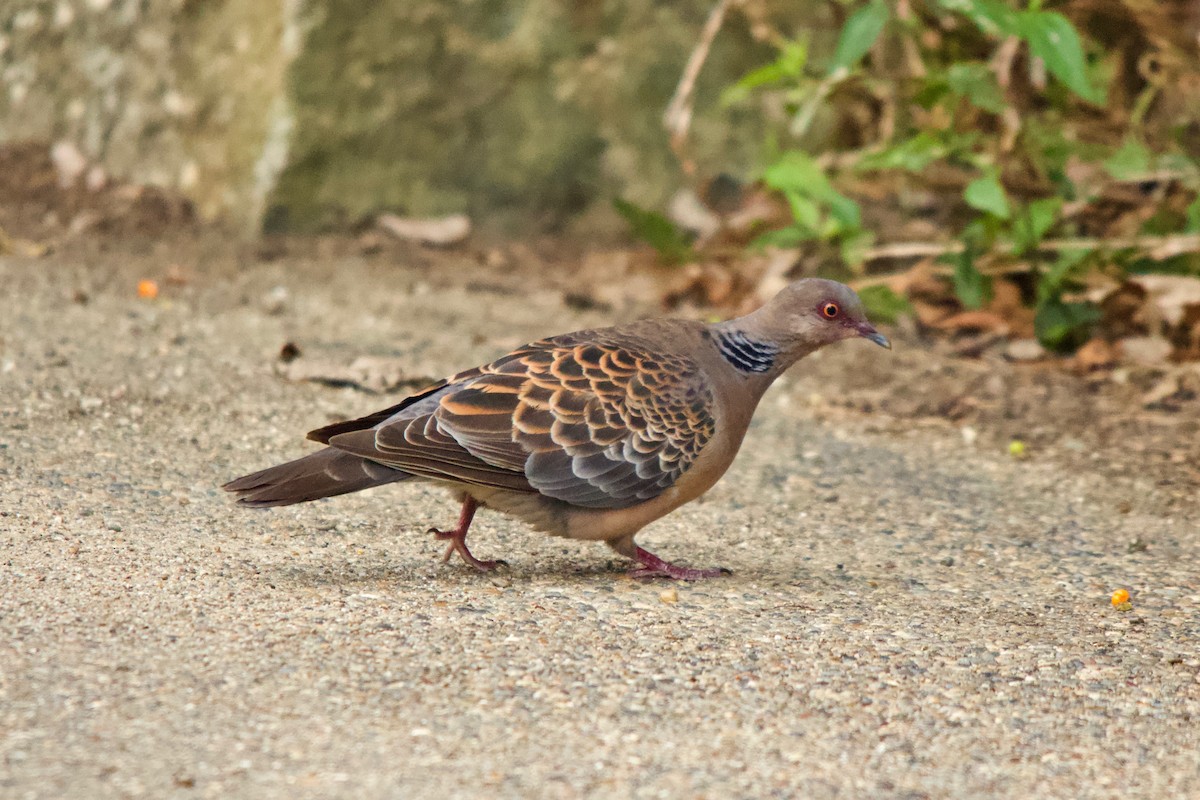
1018	169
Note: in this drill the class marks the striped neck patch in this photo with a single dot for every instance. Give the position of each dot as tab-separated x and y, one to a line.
744	353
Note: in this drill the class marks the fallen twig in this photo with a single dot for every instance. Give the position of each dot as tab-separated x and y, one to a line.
1155	247
677	118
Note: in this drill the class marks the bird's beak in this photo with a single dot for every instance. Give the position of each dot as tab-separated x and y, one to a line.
867	331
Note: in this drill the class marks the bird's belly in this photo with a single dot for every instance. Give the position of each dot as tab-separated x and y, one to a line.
607	524
536	511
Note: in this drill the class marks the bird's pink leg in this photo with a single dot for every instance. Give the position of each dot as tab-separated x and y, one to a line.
651	566
458	538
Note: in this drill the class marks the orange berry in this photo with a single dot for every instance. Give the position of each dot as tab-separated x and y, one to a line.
1120	599
147	289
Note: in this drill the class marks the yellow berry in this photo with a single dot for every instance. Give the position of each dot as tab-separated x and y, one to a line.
1120	600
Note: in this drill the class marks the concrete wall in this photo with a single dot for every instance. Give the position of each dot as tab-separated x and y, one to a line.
299	114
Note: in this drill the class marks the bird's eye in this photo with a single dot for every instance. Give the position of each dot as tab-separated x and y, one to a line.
830	310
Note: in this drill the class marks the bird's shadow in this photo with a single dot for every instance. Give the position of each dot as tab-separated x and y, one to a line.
531	572
417	574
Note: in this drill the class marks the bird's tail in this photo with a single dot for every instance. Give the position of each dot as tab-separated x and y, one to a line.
326	473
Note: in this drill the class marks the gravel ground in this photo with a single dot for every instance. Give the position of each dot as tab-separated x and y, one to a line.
913	613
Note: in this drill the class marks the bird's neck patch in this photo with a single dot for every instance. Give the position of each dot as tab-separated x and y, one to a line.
744	353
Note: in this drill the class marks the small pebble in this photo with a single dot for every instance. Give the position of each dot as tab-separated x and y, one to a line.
275	302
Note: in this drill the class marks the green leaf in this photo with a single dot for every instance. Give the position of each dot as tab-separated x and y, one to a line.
817	208
986	194
990	16
972	287
795	171
1058	279
911	155
975	83
810	195
1052	38
739	91
1193	216
761	77
1034	221
884	305
1043	136
858	34
1064	326
789	64
784	237
805	212
1185	166
1130	161
793	58
657	231
844	210
854	248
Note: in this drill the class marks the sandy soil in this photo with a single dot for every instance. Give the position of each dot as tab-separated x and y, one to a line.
913	612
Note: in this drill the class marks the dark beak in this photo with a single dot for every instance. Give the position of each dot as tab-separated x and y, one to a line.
867	331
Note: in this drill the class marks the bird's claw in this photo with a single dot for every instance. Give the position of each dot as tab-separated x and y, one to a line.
460	546
651	566
678	573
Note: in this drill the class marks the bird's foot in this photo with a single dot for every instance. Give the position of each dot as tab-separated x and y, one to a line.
651	566
458	538
458	544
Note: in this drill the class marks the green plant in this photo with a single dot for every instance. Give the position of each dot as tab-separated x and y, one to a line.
1060	324
819	211
1005	97
883	304
672	244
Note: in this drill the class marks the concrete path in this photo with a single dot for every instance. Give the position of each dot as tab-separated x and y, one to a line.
911	614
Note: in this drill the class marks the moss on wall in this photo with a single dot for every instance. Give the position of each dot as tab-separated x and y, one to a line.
505	109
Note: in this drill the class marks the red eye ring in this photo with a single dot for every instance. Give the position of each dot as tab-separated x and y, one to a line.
830	310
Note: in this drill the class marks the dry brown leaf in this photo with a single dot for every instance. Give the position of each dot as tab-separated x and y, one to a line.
176	275
1168	387
1123	311
1095	355
1028	349
758	209
1008	304
442	231
21	247
921	280
688	212
930	314
1185	336
1169	294
973	321
708	284
1150	351
774	275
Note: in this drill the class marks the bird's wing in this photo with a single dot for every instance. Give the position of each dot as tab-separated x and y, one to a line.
323	435
584	418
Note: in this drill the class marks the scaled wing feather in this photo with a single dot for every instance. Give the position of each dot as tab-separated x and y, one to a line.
581	418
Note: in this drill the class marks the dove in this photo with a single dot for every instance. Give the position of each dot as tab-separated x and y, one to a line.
589	435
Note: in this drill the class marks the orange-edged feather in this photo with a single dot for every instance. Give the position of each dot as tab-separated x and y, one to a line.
580	418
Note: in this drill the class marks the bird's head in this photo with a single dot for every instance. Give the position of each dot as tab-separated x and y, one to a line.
814	312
